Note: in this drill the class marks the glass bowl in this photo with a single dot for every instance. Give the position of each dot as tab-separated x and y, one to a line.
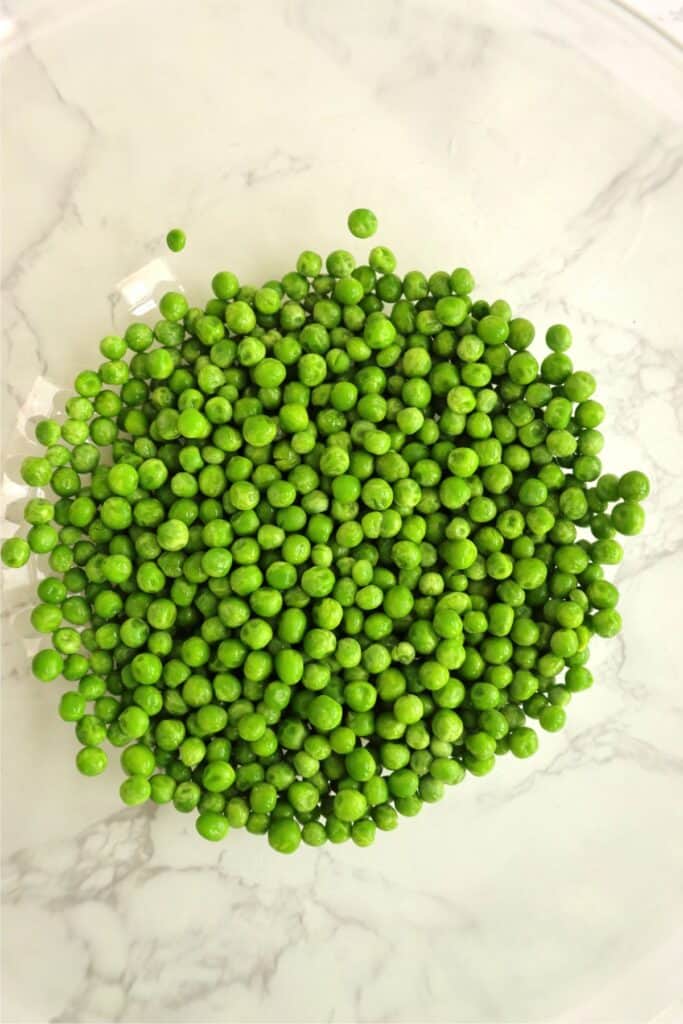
541	145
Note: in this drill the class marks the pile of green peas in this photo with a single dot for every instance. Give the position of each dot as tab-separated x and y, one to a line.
321	548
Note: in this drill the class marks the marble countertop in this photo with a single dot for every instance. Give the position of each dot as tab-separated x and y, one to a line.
515	139
666	14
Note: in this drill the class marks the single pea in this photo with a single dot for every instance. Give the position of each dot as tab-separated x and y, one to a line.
36	471
362	223
451	310
71	706
382	260
284	835
48	432
135	790
240	317
552	718
175	239
91	761
162	788
218	776
350	805
47	665
523	742
558	338
212	826
632	486
607	622
42	538
173	306
15	552
628	518
134	722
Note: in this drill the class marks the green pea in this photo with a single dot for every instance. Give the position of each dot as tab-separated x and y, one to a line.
362	223
175	239
91	761
15	552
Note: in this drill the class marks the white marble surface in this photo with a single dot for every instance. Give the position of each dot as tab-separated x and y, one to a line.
518	141
667	15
